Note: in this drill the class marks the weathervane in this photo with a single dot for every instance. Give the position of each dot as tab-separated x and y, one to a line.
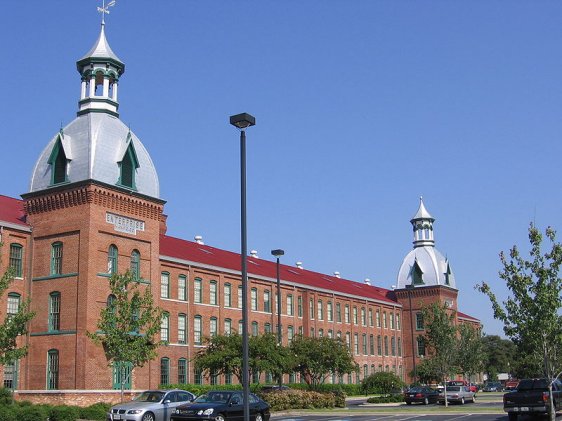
104	9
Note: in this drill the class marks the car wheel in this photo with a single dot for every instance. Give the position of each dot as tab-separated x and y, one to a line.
512	416
220	417
259	417
473	398
462	401
426	401
408	403
149	416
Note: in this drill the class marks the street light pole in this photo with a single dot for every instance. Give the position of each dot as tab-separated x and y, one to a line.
242	122
278	253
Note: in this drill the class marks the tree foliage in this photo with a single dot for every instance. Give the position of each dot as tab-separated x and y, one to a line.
426	372
14	326
500	356
222	355
531	314
383	383
316	358
470	350
128	325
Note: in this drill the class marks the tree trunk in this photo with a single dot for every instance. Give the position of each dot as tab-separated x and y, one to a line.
552	413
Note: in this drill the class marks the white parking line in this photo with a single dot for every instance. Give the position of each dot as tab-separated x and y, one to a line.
458	418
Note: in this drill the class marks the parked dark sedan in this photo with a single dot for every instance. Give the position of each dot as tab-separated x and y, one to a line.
421	394
222	405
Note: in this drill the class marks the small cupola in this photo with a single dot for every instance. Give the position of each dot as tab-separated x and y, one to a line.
422	224
100	70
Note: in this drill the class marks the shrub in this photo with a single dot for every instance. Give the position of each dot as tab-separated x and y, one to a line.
95	412
63	413
32	413
300	399
200	389
7	413
348	389
385	399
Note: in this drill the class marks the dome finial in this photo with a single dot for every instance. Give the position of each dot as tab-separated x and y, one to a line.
104	9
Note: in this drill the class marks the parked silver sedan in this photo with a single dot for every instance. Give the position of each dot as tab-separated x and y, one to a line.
152	405
458	394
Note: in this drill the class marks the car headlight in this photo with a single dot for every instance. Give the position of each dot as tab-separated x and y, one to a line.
205	412
134	411
177	411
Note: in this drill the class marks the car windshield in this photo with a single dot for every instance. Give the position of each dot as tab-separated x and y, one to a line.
453	389
215	397
415	390
150	396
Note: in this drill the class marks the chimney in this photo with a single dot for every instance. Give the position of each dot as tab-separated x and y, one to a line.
299	265
337	274
199	239
367	281
254	254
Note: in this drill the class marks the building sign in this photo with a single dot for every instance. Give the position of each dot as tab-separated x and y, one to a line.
124	224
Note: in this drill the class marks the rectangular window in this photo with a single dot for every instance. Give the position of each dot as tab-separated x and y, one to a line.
164	371
311	308
392	320
379	345
135	265
289	305
364	343
371	317
393	346
11	375
182	288
254	299
363	317
165	285
267	301
299	302
54	312
386	345
240	327
182	329
255	329
320	310
53	369
356	343
182	371
56	259
16	259
421	346
227	326
198	376
384	325
419	321
338	312
348	339
372	345
397	321
227	295
197	288
378	318
213	293
240	297
197	330
329	312
346	313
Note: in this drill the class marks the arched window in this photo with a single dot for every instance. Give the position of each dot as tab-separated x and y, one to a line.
267	301
165	285
254	299
165	327
213	293
112	254
213	327
165	371
290	334
197	330
52	369
16	259
227	326
227	295
135	264
182	328
197	290
56	258
289	304
255	329
182	287
128	166
182	371
320	311
54	311
13	304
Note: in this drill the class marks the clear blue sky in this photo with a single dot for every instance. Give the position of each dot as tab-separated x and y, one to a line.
361	107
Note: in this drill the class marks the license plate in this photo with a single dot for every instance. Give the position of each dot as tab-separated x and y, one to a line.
116	417
524	409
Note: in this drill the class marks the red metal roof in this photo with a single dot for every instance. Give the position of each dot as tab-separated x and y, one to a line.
175	248
466	316
11	211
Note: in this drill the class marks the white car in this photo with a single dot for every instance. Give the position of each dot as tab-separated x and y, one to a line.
152	405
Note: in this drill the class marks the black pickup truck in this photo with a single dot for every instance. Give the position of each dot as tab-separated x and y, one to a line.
531	398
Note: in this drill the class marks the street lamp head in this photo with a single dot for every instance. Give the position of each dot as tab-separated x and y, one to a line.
243	120
277	252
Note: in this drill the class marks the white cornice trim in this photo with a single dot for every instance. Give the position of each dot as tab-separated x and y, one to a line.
25	228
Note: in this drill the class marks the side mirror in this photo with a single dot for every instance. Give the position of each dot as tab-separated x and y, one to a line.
167	401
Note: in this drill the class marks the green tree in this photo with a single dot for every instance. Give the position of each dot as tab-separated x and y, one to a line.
441	340
128	326
470	351
316	358
500	356
426	372
383	383
531	314
14	326
222	355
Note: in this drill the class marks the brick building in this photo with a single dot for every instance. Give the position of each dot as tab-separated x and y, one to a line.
93	209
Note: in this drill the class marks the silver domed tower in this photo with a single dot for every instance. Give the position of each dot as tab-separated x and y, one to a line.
97	145
424	265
